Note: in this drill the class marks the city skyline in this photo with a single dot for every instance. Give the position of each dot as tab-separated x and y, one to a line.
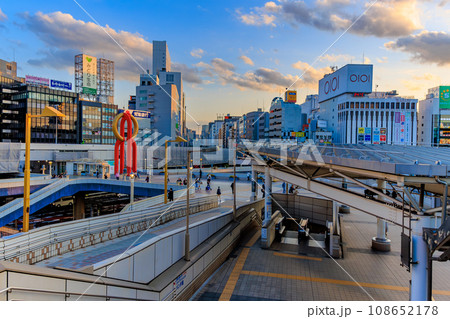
239	55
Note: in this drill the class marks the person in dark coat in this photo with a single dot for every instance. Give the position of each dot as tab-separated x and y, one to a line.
170	195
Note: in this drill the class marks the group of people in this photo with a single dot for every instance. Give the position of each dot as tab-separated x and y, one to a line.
61	175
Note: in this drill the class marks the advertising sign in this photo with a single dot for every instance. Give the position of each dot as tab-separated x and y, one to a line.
322	123
376	136
444	97
352	78
36	80
138	114
383	135
89	74
367	135
60	85
361	131
290	96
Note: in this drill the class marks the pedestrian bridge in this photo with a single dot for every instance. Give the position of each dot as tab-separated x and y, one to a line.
67	187
133	255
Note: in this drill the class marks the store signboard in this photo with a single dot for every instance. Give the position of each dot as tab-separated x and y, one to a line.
89	74
444	97
383	135
367	135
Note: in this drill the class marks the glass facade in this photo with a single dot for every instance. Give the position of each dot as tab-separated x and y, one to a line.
96	123
32	100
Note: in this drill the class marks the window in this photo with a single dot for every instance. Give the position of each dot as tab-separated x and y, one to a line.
169	78
143	92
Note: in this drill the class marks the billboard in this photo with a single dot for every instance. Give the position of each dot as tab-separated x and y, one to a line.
367	135
89	74
352	78
138	114
290	96
322	123
36	80
444	97
60	85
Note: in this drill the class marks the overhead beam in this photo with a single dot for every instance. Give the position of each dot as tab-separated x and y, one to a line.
374	208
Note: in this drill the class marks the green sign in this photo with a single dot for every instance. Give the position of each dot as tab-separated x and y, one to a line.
444	97
89	91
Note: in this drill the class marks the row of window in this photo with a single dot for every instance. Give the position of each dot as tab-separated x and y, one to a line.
378	105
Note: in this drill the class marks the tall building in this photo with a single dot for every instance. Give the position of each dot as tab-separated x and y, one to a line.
434	118
161	57
161	93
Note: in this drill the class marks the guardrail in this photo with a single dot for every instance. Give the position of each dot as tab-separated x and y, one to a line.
49	241
13	205
155	200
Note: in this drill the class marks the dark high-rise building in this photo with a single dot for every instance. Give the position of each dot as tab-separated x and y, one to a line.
18	99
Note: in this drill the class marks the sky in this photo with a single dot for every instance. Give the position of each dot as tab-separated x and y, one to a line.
235	55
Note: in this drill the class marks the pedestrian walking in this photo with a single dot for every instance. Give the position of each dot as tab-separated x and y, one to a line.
98	174
147	179
170	195
263	190
248	176
284	187
219	193
201	173
232	188
106	176
117	176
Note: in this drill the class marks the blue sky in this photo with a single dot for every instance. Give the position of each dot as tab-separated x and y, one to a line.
235	55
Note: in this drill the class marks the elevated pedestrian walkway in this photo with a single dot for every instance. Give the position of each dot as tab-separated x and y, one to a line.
66	187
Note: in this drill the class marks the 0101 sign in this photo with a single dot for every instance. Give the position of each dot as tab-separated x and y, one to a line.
331	85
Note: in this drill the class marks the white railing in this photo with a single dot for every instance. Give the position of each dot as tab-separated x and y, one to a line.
155	200
52	240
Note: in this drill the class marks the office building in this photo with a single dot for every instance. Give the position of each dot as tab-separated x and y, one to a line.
255	125
95	124
355	115
161	93
434	118
285	119
19	99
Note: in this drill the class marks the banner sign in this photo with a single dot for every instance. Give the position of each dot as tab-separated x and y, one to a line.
60	85
36	80
89	74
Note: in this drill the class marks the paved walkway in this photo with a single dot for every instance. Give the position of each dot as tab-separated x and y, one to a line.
252	273
92	254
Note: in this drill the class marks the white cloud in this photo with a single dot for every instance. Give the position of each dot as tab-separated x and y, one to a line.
197	53
65	37
425	47
3	16
246	60
386	18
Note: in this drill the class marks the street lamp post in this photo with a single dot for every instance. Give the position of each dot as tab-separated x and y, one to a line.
50	167
47	112
166	173
131	191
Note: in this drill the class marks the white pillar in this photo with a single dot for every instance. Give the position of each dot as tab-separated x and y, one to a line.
381	242
268	194
254	195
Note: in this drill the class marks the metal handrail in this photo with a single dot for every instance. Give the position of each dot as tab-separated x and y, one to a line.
41	237
68	294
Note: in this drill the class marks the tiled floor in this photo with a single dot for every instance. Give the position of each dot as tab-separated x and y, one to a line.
362	274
